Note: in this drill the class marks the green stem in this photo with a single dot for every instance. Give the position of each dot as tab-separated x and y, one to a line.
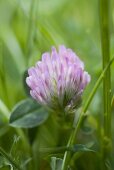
31	27
55	150
112	101
9	159
24	139
71	141
105	42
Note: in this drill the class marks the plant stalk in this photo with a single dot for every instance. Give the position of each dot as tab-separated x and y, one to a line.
71	141
31	27
105	43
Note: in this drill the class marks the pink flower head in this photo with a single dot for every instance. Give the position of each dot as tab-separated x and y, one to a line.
58	80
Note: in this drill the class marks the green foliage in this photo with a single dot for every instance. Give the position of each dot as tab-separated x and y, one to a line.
80	148
27	29
28	114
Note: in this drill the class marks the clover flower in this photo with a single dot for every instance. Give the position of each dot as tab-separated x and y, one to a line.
58	80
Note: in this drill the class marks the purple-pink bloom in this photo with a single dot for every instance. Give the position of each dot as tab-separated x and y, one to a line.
58	80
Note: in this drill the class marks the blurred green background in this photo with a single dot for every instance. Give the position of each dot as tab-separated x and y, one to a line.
30	27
